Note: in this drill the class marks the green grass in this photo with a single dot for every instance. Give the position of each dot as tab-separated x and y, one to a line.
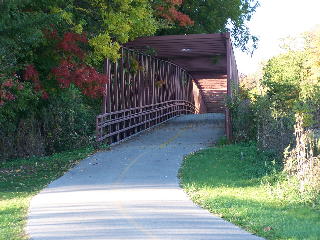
228	182
20	179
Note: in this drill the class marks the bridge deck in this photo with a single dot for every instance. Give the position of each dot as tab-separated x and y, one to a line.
132	191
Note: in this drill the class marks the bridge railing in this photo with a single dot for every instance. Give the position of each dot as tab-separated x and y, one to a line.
142	91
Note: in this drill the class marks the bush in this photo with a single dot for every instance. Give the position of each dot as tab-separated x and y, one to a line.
274	131
242	110
21	139
302	162
65	122
20	131
68	122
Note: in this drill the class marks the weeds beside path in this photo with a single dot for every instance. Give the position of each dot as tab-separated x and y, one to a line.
227	181
23	178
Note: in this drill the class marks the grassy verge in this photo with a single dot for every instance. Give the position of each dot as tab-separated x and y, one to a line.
228	182
23	178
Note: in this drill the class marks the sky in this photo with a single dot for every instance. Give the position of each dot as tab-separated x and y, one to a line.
273	20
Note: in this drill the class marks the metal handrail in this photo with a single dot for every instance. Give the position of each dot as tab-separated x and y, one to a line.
129	108
173	109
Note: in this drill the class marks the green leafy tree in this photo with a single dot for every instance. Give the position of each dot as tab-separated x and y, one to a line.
69	37
20	32
292	84
50	49
211	16
108	23
292	79
288	87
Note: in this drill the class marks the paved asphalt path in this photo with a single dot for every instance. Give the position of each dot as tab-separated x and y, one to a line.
132	191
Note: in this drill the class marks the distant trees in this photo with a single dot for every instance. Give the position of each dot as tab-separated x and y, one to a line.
290	82
292	79
283	115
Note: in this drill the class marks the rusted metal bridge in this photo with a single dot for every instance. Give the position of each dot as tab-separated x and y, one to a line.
158	78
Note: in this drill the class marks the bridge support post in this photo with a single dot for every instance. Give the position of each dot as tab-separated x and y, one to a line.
228	122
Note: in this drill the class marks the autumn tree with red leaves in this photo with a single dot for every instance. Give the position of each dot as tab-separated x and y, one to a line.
168	10
31	74
73	70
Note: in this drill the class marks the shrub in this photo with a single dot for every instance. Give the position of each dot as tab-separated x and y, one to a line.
18	120
68	121
302	162
21	138
242	110
31	128
274	130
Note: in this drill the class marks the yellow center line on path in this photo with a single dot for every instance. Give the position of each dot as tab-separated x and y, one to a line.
122	209
124	171
166	143
120	206
170	140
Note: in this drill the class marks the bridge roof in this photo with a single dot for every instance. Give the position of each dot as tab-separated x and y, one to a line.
197	53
